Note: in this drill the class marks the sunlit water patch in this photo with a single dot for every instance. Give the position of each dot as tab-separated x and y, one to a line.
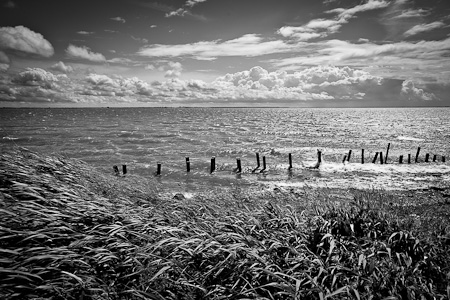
143	137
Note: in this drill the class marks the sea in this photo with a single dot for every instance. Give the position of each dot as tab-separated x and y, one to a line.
142	138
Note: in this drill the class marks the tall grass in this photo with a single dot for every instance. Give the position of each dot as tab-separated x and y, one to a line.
70	232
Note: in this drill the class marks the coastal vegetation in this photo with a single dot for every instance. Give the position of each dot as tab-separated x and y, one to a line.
69	231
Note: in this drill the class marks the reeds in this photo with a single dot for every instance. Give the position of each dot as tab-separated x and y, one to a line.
70	232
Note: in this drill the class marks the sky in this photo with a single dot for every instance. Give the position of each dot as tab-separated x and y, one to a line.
293	53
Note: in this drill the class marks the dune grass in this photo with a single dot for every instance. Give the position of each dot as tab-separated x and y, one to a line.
70	232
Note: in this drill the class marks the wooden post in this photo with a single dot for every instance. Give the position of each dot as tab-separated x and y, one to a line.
427	157
213	164
116	170
319	156
290	161
387	153
239	168
400	159
264	165
443	158
257	163
417	155
381	158
349	154
409	158
124	169
434	157
188	165
375	158
362	156
158	169
345	158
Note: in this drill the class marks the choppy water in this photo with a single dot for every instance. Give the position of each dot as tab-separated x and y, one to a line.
141	137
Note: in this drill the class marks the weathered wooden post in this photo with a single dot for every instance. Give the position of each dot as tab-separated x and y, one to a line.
239	168
434	157
417	155
400	159
264	165
319	157
188	165
345	159
290	161
116	170
124	169
362	156
213	164
349	154
381	158
443	158
387	153
427	157
158	169
409	158
375	158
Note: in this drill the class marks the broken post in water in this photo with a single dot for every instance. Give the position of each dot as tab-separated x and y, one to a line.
427	157
188	165
409	158
387	153
443	158
375	158
381	158
264	165
213	164
349	154
362	156
434	157
417	155
116	170
158	169
239	168
400	159
290	161
345	159
124	169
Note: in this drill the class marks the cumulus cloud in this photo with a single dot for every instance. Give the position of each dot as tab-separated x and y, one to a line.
21	38
323	82
61	67
412	93
174	71
424	28
36	77
84	52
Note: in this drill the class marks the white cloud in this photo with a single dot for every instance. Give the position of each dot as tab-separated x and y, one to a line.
36	77
21	38
323	27
84	52
61	67
118	19
411	13
82	32
174	71
248	45
424	28
412	93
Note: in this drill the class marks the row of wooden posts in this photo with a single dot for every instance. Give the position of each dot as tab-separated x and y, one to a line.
238	169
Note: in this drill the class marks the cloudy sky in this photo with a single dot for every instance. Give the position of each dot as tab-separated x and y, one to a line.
224	52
